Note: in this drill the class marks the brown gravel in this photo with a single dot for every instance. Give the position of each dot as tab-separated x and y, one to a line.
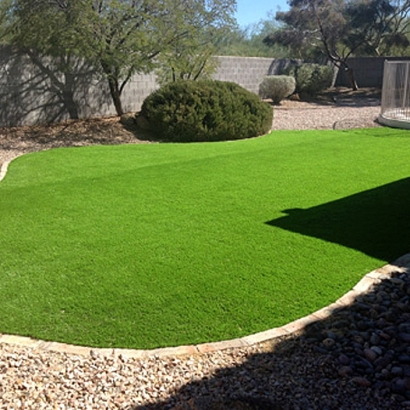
289	373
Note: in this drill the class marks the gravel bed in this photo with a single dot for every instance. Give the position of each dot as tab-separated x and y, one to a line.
324	117
359	358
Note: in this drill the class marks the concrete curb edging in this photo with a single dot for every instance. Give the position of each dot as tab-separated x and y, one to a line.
3	169
364	285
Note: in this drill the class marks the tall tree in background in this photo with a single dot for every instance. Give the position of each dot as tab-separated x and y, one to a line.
339	29
204	25
121	37
378	26
248	41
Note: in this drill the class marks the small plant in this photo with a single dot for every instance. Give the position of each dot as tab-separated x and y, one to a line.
277	87
204	110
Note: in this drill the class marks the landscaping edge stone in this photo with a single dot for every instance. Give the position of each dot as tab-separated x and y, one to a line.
366	284
3	169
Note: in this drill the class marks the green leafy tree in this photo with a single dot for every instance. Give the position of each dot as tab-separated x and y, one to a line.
248	41
378	26
205	25
39	29
121	37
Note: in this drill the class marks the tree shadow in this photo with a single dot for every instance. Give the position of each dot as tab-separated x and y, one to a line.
375	222
350	356
38	90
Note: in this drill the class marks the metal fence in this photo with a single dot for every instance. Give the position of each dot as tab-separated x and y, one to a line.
395	110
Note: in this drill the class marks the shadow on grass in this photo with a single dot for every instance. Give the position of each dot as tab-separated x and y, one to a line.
375	222
351	356
327	365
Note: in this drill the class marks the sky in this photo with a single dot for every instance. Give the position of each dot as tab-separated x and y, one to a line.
252	11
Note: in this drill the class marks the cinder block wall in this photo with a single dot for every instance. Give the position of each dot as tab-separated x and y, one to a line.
245	71
368	71
33	91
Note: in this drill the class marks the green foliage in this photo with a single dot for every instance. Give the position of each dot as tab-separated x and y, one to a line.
189	56
277	87
121	37
204	110
311	79
187	62
248	41
339	29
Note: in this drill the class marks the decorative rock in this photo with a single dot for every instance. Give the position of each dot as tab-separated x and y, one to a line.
361	381
344	371
377	350
374	339
399	386
343	359
405	337
328	343
370	355
396	371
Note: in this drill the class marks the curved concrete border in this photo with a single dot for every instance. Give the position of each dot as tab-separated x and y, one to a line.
3	169
366	284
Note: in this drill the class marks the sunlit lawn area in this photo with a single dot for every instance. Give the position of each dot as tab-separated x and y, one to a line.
151	245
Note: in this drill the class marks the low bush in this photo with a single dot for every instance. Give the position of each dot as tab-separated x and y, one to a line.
311	79
277	87
205	110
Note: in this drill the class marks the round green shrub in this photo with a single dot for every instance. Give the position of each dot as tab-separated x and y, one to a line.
277	87
311	79
205	110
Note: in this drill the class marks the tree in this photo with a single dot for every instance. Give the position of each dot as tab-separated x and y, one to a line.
248	41
121	37
339	29
205	25
377	26
38	29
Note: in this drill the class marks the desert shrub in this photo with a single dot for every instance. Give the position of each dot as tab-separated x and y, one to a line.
311	79
277	87
204	110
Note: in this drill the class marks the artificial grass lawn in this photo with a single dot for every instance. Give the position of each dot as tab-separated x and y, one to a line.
143	246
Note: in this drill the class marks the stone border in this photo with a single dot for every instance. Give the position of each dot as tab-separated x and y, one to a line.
364	285
3	169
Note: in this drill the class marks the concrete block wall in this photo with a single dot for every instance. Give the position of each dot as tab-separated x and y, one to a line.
245	71
33	91
368	71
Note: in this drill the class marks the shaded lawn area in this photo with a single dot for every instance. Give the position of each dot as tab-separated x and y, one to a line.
143	246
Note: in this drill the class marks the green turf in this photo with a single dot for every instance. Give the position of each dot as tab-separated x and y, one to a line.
152	245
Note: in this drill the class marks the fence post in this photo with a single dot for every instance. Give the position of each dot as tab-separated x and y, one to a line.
406	80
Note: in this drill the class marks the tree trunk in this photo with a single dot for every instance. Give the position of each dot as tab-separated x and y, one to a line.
350	75
68	96
115	95
114	86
